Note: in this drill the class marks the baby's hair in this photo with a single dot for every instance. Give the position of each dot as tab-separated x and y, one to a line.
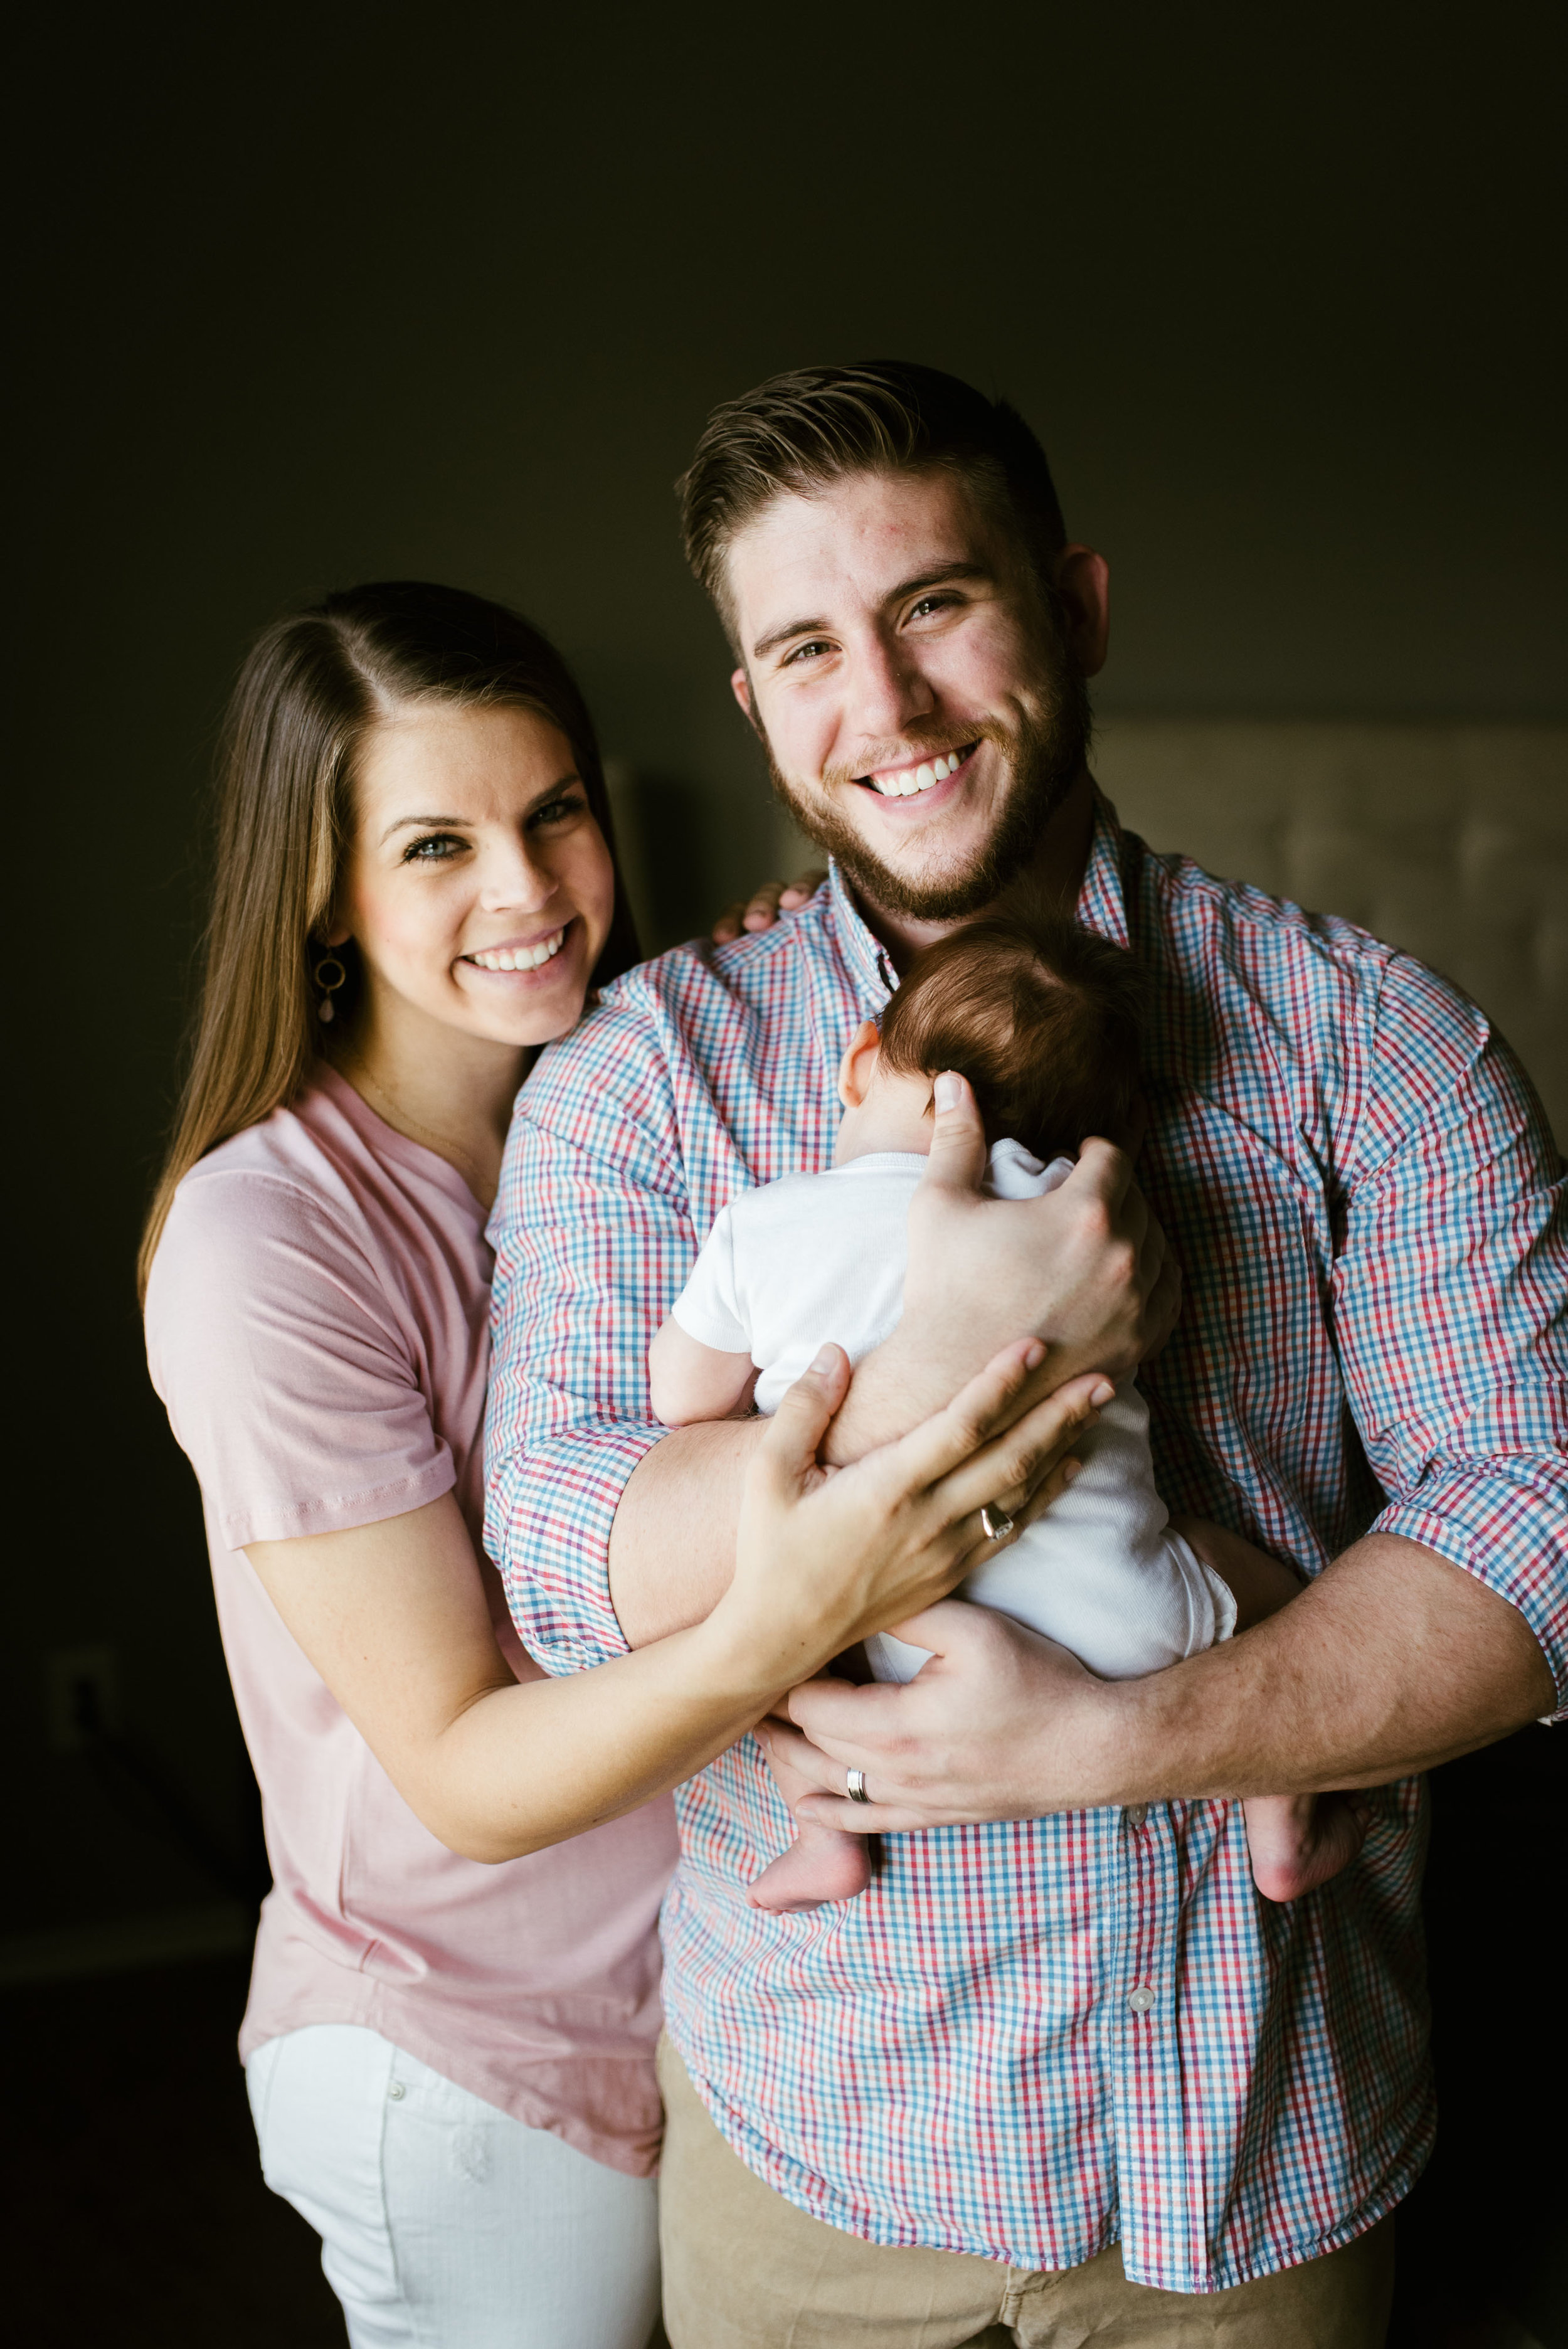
1042	1017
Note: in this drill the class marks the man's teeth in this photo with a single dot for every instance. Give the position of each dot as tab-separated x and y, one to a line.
918	779
519	958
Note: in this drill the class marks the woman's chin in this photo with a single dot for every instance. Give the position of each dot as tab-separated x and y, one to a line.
526	1008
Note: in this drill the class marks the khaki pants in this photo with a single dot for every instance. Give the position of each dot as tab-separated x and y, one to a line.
745	2269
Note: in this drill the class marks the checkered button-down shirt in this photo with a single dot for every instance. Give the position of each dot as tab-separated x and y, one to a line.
1031	2038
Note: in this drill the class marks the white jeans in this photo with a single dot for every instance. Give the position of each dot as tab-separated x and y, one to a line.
446	2224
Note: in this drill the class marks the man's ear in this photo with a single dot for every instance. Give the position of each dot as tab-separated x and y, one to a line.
1083	582
740	685
858	1066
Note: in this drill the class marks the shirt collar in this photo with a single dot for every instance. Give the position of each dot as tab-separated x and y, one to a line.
1102	906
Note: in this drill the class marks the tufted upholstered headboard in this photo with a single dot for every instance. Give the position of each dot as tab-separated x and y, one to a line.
1450	840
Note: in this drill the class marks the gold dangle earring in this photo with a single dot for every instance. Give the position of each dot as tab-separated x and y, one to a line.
328	987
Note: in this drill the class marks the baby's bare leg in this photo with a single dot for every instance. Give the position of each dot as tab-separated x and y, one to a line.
822	1864
1296	1841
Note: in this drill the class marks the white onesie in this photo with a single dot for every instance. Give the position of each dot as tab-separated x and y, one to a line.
819	1256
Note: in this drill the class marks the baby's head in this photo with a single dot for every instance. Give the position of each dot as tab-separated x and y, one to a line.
1042	1017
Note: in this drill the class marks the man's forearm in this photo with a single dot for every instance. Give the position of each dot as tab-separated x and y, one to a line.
1391	1661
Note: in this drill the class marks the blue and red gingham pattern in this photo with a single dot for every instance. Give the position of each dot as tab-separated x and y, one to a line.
1368	1212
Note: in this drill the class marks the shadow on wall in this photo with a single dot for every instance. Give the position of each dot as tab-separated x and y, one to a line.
663	826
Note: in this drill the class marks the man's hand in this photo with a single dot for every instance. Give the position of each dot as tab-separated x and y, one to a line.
983	1730
1085	1269
1391	1661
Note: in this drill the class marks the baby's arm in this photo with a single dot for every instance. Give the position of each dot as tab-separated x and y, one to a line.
688	1380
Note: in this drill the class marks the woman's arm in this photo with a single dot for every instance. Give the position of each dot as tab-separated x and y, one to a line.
393	1616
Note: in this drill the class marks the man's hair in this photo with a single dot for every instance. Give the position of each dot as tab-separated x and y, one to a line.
1042	1017
798	432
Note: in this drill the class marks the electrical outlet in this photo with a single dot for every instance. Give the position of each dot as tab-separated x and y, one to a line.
82	1696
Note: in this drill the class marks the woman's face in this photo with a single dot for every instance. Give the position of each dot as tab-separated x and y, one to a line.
477	887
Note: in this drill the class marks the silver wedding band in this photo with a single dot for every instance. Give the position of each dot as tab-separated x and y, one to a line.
855	1786
998	1525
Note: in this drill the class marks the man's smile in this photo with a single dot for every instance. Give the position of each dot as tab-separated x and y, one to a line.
911	781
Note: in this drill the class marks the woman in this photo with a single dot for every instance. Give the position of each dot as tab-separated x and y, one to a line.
450	2063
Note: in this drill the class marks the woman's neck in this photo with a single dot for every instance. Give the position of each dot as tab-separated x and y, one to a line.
450	1093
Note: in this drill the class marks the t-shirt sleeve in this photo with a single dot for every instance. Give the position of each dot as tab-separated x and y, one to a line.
279	1356
709	1306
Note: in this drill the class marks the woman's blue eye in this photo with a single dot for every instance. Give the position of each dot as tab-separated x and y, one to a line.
556	811
434	849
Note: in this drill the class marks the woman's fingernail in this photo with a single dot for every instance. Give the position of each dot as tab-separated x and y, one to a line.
1072	1469
823	1359
946	1092
1104	1393
1034	1354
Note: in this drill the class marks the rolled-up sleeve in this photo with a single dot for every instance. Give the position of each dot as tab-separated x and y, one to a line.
1450	1302
594	1241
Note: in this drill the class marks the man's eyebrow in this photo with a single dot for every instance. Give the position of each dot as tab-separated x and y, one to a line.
942	574
465	823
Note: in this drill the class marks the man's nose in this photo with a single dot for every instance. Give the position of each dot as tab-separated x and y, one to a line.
887	690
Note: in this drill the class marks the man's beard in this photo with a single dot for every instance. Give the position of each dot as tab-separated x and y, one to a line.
1045	757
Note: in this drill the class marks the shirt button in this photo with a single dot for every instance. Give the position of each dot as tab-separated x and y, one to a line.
395	2091
1136	1814
1141	1999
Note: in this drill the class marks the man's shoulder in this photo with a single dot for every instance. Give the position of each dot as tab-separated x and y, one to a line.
1313	963
1259	979
694	1015
741	970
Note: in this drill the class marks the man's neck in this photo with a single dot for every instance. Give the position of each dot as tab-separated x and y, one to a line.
1057	871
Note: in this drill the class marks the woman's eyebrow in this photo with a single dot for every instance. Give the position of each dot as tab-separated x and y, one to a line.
425	823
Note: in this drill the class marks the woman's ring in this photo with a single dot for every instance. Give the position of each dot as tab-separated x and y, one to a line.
855	1786
998	1525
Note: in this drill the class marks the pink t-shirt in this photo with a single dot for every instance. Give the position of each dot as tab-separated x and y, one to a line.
316	1325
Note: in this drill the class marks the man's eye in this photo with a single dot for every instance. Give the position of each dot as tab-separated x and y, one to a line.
435	848
808	652
929	604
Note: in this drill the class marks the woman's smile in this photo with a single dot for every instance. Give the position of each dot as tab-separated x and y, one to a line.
514	955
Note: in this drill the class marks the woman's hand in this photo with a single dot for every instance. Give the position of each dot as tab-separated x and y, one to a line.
825	1556
766	903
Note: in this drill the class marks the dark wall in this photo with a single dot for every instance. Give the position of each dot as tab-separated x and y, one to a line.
317	294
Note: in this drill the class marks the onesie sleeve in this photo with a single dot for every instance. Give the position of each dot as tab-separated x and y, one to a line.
708	1308
289	1381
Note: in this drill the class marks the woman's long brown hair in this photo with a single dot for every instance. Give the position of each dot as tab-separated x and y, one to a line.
312	686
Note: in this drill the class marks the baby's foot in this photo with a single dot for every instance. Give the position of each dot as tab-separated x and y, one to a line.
822	1864
1299	1841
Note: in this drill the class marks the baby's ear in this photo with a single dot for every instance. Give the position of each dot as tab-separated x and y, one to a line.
858	1064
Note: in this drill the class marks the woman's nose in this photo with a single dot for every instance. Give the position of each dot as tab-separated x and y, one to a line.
512	882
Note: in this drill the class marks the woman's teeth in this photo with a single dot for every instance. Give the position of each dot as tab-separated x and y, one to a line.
519	958
921	778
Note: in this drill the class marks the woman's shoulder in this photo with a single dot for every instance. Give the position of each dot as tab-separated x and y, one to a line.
272	1208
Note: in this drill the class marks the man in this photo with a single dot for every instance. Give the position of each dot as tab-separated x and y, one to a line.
1061	2070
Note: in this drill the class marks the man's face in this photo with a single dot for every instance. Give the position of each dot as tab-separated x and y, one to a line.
921	715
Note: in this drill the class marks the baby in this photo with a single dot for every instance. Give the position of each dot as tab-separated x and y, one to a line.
1043	1018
